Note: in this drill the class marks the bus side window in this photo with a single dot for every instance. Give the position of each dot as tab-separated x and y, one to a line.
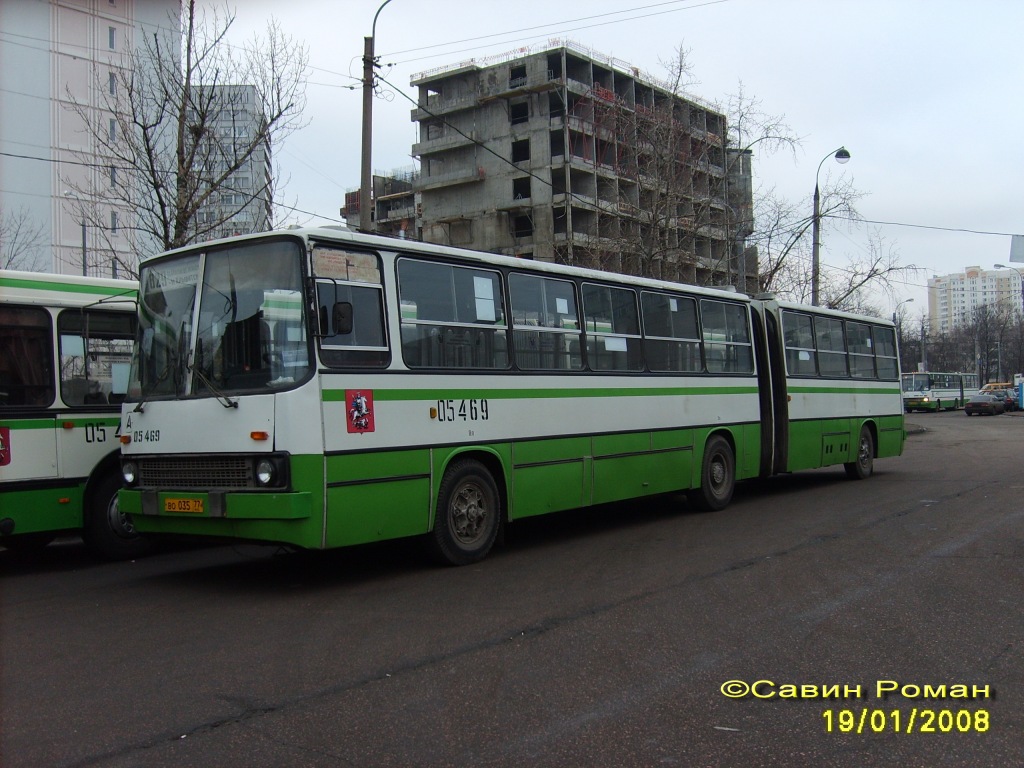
801	358
451	316
26	375
726	334
95	349
886	360
546	324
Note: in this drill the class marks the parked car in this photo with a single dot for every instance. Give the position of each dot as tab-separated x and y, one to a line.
1006	395
984	404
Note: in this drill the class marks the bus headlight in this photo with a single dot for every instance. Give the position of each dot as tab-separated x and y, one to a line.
130	472
266	472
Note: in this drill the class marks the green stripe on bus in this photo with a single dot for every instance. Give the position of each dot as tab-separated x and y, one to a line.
43	285
81	421
27	423
845	390
395	395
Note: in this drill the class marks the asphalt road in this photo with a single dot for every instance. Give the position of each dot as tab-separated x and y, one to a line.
601	637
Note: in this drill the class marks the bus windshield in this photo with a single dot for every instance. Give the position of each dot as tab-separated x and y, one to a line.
229	320
916	382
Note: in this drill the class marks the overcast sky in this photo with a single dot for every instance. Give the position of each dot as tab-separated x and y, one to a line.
927	95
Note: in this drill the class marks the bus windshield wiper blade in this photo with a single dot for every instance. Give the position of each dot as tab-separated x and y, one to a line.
223	399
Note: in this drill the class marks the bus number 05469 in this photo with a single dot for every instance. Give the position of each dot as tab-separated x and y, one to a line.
462	410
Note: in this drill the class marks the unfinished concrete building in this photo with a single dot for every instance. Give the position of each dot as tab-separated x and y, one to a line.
563	155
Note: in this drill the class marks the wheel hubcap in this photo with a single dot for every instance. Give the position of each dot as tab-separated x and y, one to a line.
468	512
717	472
119	523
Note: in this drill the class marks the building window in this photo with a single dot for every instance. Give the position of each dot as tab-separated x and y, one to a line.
519	113
521	188
112	84
113	222
517	76
520	151
112	38
522	226
113	175
112	129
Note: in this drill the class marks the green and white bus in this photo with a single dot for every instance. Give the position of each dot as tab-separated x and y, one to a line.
931	391
323	388
65	356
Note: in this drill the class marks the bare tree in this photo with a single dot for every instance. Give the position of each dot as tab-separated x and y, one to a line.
184	117
21	242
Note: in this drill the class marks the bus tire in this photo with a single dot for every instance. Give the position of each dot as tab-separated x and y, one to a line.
468	514
717	476
862	468
105	530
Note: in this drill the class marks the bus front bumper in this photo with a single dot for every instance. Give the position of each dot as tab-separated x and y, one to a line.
232	505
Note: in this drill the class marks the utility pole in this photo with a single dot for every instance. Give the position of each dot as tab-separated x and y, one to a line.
365	178
366	222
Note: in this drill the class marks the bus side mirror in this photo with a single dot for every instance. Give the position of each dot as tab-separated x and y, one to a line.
341	317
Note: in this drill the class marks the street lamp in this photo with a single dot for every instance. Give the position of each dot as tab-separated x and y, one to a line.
897	307
842	156
366	180
1021	274
85	263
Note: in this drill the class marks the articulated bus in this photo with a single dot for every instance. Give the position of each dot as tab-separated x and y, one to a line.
931	391
65	356
323	388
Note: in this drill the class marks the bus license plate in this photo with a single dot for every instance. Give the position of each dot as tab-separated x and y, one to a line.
195	506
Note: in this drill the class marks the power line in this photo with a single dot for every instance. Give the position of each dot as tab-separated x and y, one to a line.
573	29
542	26
929	226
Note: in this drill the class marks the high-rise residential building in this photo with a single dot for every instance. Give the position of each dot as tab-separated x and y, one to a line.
55	54
244	202
565	155
953	300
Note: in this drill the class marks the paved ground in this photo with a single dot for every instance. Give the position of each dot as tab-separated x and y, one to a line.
602	637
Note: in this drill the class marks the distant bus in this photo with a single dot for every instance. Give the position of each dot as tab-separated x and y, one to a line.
65	356
323	388
932	391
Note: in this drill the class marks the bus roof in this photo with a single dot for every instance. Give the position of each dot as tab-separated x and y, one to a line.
835	313
352	237
47	289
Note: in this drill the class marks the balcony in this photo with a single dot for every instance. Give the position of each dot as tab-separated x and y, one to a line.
445	143
468	175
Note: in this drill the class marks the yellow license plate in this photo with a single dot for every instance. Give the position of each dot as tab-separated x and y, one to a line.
195	506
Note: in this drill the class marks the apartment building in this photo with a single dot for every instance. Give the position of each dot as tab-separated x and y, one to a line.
55	54
569	156
244	203
954	299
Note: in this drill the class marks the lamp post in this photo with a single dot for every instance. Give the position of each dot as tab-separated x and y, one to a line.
366	180
1021	275
842	156
85	262
898	322
897	307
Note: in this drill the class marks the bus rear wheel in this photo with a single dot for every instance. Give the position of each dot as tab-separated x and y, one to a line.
106	530
717	476
862	468
468	514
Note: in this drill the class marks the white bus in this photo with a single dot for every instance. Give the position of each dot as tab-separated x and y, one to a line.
65	356
932	391
323	388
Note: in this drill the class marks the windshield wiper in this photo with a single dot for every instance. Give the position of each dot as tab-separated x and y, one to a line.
223	399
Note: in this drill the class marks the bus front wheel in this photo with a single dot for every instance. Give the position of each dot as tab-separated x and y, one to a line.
717	476
468	514
107	531
862	468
